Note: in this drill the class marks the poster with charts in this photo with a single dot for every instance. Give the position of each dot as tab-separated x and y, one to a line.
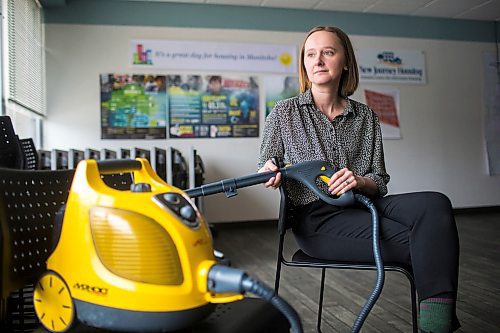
385	103
133	106
213	106
279	87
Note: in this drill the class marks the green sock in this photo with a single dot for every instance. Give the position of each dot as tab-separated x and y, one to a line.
436	315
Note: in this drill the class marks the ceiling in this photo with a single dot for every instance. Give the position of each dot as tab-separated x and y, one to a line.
488	10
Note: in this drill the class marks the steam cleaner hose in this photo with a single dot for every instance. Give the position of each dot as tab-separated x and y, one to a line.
378	262
227	279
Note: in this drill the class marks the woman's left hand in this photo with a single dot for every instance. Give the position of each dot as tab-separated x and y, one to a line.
342	181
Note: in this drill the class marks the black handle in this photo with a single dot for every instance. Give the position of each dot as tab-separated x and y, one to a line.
305	172
308	172
107	167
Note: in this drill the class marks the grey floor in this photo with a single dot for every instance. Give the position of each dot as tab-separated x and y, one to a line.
252	247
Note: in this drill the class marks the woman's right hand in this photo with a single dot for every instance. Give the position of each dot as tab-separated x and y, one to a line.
275	181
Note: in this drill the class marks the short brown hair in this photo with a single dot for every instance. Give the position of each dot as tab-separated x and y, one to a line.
349	80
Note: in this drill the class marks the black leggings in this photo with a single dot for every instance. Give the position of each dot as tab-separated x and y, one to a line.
416	229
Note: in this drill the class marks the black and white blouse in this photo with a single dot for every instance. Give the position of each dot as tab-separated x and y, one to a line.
297	131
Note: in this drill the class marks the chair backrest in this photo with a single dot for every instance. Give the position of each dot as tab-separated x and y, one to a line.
29	201
285	222
285	219
29	153
10	149
118	181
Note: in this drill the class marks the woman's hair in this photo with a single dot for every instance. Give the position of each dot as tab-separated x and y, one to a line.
349	79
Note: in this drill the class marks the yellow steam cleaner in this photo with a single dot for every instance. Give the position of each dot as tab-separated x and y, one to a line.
140	259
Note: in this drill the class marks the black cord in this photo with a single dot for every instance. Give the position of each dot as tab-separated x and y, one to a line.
223	279
378	262
258	288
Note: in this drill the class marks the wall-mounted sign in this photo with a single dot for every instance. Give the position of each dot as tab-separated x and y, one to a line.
133	106
278	87
213	56
491	84
385	103
385	65
213	106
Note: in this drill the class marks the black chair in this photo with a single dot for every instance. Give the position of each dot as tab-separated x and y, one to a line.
16	153
29	202
10	149
302	260
29	154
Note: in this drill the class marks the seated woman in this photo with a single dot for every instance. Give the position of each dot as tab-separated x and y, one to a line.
416	229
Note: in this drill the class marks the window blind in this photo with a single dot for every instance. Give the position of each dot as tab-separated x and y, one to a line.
26	61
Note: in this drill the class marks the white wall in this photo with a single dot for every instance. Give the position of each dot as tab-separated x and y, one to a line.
441	148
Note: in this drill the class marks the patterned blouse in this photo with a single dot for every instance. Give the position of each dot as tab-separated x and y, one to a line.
297	131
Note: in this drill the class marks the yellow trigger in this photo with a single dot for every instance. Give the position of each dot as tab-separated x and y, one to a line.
325	178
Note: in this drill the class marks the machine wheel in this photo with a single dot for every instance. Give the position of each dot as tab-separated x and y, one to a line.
54	306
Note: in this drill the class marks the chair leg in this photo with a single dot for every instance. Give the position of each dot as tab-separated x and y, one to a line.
277	277
320	303
414	301
278	264
414	307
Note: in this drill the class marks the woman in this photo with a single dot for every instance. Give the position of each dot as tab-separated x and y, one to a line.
416	229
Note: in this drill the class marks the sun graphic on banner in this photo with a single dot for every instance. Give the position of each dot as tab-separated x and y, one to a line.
286	58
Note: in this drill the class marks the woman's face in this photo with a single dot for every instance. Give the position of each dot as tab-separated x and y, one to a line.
324	58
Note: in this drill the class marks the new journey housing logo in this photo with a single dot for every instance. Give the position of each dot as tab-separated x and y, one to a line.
394	66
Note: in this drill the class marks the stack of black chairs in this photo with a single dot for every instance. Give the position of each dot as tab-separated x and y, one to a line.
16	153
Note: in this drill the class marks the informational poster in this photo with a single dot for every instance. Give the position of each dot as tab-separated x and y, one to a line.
213	56
133	106
385	103
278	87
384	66
213	106
492	111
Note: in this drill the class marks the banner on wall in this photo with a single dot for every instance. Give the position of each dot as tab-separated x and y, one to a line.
278	87
133	106
491	97
213	56
382	65
385	103
213	106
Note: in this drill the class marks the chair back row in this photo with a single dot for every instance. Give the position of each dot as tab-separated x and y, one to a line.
15	153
